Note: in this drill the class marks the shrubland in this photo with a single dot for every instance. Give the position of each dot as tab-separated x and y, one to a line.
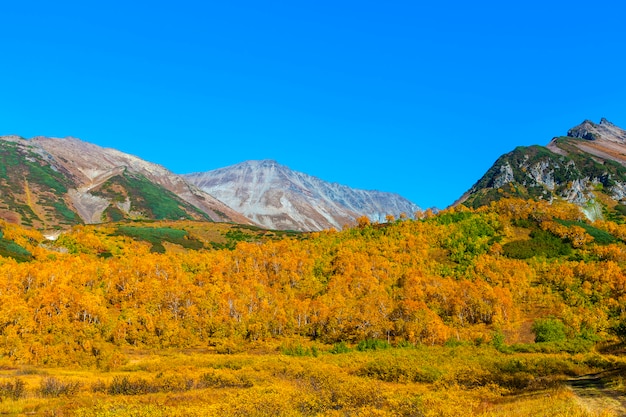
465	312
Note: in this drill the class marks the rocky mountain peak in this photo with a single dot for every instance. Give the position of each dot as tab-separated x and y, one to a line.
265	162
259	165
277	197
587	167
594	131
585	130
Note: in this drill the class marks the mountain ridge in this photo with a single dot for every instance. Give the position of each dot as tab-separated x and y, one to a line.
94	156
51	183
587	167
57	182
277	197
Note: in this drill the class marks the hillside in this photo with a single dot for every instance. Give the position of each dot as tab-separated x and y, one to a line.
461	272
277	197
486	310
461	312
586	167
51	183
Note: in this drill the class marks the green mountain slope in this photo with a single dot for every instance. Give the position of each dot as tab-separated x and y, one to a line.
50	183
33	192
146	200
586	168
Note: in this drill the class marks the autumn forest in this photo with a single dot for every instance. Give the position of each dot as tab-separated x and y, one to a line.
462	312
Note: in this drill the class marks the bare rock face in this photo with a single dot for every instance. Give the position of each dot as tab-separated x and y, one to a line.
277	197
506	176
603	140
90	207
605	131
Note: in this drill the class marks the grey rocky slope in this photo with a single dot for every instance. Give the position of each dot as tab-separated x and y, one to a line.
277	197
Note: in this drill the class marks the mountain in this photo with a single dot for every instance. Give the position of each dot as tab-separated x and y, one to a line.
51	183
586	167
277	197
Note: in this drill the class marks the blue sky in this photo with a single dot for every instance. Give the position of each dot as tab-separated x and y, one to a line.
418	98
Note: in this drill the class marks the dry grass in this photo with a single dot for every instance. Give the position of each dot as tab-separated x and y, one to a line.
433	381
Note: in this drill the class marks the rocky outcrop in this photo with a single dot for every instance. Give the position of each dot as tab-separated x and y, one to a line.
604	130
506	176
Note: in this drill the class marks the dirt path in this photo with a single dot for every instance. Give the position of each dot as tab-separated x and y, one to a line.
596	397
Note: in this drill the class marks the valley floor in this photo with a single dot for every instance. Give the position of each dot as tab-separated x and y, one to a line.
299	379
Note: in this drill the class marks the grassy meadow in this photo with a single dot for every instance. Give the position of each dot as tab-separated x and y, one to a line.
299	379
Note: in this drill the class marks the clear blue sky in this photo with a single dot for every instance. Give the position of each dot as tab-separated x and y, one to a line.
418	98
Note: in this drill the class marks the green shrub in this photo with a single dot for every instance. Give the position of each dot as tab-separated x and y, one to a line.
404	344
548	330
372	344
299	350
601	237
526	223
340	347
11	249
498	341
542	243
157	235
454	342
68	215
572	346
